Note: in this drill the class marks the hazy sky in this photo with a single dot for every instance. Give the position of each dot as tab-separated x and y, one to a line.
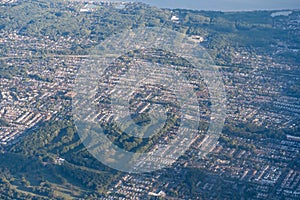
226	5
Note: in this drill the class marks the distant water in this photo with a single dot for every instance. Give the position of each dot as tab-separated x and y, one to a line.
225	5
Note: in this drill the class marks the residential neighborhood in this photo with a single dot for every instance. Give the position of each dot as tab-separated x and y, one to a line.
256	152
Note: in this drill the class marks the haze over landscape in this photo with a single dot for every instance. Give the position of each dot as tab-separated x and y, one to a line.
225	5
